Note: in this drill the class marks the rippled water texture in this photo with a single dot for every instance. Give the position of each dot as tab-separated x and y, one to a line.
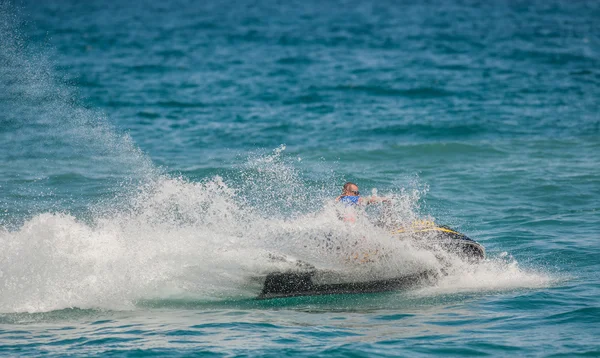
155	156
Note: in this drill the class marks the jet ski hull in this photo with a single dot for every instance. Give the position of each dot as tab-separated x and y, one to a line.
309	281
292	284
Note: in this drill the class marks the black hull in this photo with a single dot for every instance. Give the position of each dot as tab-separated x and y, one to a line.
292	284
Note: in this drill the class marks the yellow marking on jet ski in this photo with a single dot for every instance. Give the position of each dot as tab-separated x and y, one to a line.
416	226
399	231
422	223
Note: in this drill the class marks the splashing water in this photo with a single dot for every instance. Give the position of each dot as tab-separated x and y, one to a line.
46	133
206	241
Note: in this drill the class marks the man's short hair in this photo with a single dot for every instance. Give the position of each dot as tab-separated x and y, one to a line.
348	184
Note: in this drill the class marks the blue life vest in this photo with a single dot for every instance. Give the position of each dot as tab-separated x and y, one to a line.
350	200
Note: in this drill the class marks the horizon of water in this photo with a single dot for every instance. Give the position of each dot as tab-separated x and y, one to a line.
151	167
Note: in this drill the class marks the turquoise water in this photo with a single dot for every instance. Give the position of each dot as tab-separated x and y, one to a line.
153	154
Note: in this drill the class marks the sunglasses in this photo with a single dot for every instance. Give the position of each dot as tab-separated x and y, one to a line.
354	192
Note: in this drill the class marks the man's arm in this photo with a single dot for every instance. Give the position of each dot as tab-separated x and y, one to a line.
374	200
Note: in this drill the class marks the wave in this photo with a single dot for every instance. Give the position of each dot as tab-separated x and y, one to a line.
208	241
418	92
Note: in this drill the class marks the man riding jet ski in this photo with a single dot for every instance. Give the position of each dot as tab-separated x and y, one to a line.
304	279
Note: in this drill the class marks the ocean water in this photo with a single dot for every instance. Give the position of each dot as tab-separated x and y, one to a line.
153	155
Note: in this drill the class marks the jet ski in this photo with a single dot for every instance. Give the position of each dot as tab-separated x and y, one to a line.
304	279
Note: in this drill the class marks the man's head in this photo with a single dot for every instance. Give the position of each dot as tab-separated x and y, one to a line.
350	189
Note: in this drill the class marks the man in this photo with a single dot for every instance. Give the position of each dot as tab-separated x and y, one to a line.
351	196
